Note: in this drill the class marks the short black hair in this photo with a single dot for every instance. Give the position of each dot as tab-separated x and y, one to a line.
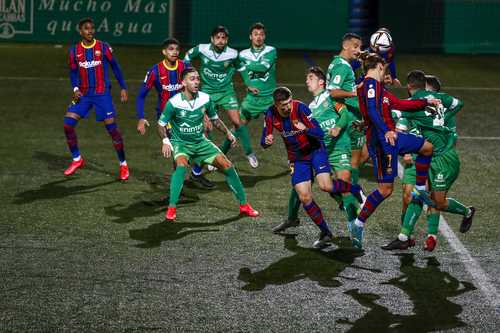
187	71
169	41
318	71
349	36
83	21
257	26
281	94
416	79
220	28
434	82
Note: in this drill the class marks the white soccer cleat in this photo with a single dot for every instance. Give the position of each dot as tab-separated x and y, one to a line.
252	159
211	168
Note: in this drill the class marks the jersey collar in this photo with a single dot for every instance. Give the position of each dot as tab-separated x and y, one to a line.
170	68
90	46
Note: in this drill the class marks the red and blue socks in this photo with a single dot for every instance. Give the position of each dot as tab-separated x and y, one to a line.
372	201
314	212
117	139
71	139
422	165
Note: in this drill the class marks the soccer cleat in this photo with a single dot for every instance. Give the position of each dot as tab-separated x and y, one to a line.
286	224
359	194
357	236
171	214
325	237
423	197
398	244
467	220
124	172
349	226
430	243
211	168
252	159
74	166
202	181
247	210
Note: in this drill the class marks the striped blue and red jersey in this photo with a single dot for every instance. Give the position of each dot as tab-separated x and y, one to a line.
376	105
167	82
299	143
89	68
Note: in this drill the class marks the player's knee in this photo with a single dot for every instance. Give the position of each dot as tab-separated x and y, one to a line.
70	122
441	204
305	197
225	163
181	161
385	191
427	149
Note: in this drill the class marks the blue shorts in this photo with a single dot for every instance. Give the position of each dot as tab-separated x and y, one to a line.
103	104
304	170
385	156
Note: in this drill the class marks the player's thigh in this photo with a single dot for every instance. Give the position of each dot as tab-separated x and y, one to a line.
104	107
221	162
300	171
79	109
225	100
344	175
385	166
439	197
234	116
340	161
304	191
444	171
322	169
206	152
181	151
409	143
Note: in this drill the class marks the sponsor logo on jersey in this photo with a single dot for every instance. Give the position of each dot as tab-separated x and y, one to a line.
287	134
217	76
371	93
172	87
185	128
90	64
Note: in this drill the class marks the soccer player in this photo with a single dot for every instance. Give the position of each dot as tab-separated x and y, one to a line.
218	63
444	168
165	77
303	138
185	112
333	118
340	81
88	63
258	70
385	144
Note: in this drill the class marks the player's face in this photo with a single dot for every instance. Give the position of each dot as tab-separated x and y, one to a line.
219	40
284	107
313	83
258	37
88	31
171	52
353	48
192	82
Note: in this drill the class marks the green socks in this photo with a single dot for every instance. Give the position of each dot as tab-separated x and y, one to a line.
176	182
411	217
242	134
350	207
456	207
293	205
354	175
433	223
234	182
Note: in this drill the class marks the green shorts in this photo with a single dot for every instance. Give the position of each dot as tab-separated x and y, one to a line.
358	139
253	106
409	174
340	159
444	170
225	100
202	152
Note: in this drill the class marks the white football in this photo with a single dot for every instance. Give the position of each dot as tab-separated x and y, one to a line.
381	41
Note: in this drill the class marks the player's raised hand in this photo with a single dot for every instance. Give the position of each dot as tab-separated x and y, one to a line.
334	132
141	126
390	137
232	138
269	140
123	96
434	102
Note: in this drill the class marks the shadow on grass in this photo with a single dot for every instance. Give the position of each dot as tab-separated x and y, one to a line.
250	180
56	190
161	232
427	287
323	266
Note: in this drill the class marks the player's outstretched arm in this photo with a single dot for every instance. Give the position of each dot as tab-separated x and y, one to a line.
405	104
219	124
115	67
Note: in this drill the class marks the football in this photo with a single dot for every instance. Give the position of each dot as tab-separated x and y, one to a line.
381	41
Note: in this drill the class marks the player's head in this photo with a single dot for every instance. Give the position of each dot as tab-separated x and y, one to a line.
219	37
373	65
415	80
170	49
257	34
432	83
315	79
86	28
282	97
351	46
191	80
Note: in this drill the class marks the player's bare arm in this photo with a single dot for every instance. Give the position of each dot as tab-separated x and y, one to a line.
219	124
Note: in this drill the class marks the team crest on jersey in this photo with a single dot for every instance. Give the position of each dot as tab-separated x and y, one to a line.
325	104
182	113
97	53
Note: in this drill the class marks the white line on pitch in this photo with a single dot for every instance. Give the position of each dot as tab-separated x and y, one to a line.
478	137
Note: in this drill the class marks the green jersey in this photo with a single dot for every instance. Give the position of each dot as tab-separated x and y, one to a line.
187	117
341	76
217	68
258	69
327	113
451	107
432	125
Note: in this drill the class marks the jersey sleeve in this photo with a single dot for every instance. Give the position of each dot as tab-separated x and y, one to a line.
115	67
338	75
372	92
167	114
146	86
341	109
405	104
268	127
452	105
192	54
73	68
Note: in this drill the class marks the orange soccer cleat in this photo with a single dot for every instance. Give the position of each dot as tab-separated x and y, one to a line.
124	173
430	243
171	214
74	166
246	209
